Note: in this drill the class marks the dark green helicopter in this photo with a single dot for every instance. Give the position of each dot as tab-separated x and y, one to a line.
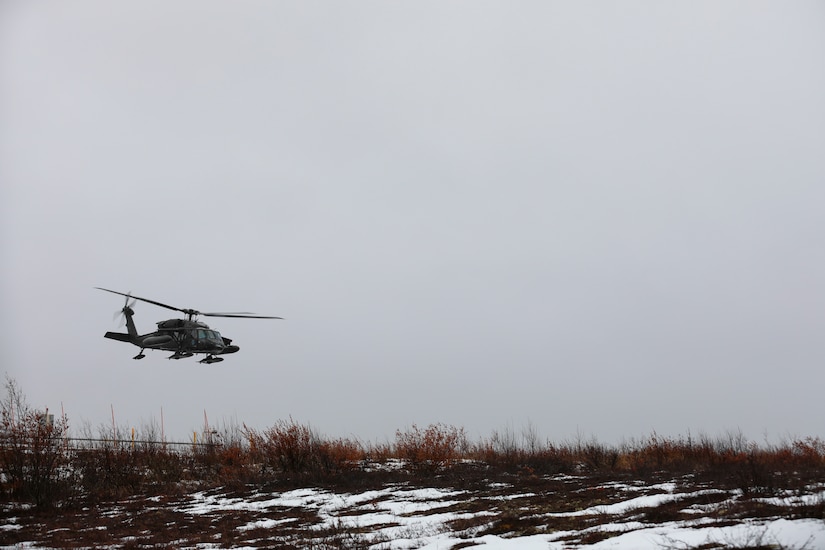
183	337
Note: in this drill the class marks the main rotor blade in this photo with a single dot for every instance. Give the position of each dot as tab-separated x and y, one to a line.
190	312
240	315
167	306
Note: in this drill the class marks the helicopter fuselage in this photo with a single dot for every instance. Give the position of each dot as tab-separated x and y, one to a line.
183	337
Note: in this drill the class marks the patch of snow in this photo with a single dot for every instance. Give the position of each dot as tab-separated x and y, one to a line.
783	533
646	501
266	524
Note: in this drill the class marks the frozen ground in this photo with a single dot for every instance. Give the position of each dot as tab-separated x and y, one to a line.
551	513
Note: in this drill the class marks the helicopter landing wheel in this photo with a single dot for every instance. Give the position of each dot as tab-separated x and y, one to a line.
139	356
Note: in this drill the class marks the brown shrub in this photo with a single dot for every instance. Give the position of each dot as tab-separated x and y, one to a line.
293	448
32	453
430	449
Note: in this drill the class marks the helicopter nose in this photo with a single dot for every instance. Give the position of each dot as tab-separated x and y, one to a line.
230	349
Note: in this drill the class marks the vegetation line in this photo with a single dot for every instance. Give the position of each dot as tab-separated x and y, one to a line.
38	465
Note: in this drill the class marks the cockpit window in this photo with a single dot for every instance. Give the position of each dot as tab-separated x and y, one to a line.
208	335
204	335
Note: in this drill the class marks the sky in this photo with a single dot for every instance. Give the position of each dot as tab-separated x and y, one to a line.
592	219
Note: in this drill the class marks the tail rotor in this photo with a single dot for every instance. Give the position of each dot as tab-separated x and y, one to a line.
127	309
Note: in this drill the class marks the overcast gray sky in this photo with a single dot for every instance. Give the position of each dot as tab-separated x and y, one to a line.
601	218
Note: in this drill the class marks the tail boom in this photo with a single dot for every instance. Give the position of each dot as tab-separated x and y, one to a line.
119	336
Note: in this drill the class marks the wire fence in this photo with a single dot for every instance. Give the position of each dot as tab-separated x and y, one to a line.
80	444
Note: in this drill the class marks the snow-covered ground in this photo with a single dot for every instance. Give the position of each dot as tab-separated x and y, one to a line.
579	513
400	518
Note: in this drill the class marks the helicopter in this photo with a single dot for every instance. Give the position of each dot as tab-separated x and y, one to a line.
183	337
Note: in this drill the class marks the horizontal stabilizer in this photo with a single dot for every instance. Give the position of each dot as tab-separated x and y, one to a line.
118	336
